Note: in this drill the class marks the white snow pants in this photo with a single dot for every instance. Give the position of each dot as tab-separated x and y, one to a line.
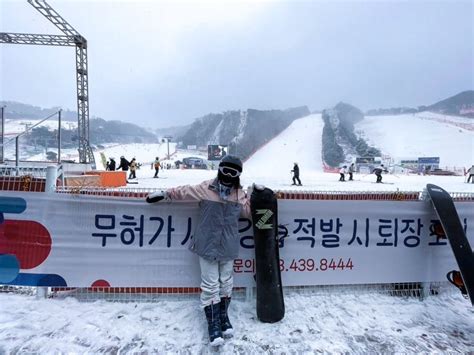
216	280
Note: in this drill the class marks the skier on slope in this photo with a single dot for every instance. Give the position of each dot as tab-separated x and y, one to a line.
470	174
342	173
110	164
156	165
351	172
378	172
124	164
296	174
133	169
221	201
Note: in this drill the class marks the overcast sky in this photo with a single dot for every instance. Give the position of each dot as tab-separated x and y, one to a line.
161	64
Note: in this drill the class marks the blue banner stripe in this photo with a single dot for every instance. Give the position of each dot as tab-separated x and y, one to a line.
9	268
12	205
50	280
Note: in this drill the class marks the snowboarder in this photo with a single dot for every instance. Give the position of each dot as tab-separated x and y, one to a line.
133	169
124	164
296	174
378	172
470	174
156	165
342	172
351	171
221	201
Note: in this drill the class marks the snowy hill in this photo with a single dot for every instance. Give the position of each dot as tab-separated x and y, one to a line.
300	142
423	134
398	136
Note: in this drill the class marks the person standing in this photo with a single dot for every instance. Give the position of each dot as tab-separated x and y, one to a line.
470	173
296	175
342	173
378	172
156	164
351	171
216	239
111	164
133	169
124	164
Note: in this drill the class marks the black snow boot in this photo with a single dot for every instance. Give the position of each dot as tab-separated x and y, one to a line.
226	327
214	324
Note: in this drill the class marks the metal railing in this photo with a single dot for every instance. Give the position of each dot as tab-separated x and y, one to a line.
28	177
16	139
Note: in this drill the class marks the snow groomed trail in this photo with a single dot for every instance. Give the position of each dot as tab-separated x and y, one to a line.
301	142
424	134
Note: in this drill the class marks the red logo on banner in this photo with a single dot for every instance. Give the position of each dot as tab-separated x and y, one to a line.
29	241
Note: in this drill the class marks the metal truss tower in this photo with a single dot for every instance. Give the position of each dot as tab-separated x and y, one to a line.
70	38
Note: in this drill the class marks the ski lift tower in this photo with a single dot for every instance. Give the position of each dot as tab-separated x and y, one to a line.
168	139
71	38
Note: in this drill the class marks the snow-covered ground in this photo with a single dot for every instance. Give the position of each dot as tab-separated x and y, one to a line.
144	153
423	134
329	323
271	165
332	322
300	142
14	127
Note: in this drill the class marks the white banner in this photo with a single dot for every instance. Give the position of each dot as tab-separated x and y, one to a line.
81	240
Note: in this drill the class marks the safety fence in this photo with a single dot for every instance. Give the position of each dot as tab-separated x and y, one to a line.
153	294
34	181
30	178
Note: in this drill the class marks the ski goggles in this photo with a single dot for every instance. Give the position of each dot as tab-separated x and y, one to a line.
228	171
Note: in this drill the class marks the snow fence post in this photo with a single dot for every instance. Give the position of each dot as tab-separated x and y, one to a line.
50	187
249	293
51	177
425	286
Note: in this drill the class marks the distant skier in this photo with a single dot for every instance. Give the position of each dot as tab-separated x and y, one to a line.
133	169
156	165
351	171
124	164
470	173
296	175
378	172
342	173
216	238
111	164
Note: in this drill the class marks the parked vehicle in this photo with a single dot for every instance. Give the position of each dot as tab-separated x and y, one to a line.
194	163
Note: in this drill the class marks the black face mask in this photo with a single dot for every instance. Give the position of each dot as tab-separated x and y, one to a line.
227	180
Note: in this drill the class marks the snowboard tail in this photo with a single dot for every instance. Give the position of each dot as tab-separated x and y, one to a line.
270	303
448	216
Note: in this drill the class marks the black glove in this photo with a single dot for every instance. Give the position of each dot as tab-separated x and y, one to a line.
157	196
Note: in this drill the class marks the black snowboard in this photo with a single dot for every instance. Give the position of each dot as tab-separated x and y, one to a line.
448	216
270	304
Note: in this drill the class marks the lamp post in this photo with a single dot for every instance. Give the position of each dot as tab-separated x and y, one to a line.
2	136
168	138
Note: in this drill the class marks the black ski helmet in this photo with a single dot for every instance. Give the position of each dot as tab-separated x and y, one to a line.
231	161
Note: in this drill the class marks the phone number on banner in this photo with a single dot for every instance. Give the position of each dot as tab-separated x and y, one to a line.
299	265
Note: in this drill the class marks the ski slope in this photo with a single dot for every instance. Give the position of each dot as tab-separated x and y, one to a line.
423	134
300	142
401	137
